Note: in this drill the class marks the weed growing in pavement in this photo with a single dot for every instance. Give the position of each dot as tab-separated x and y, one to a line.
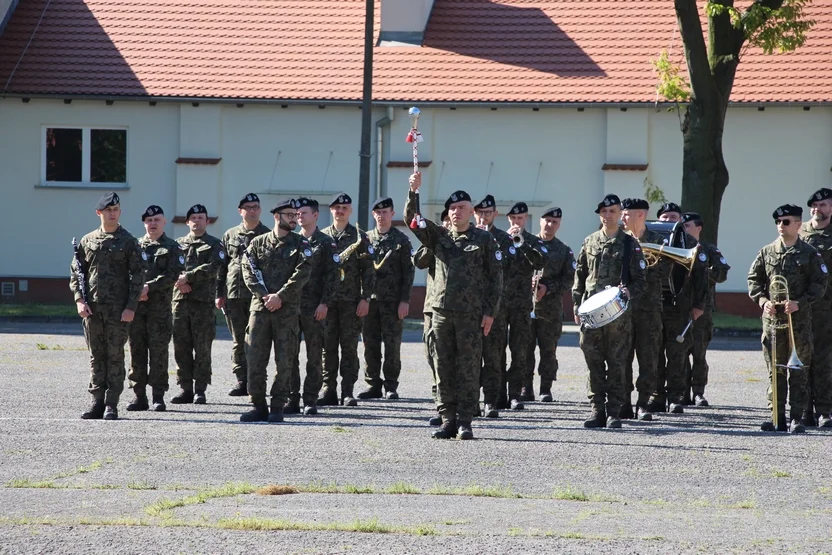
340	430
40	484
781	474
45	347
93	466
747	504
277	490
372	526
140	485
403	488
228	490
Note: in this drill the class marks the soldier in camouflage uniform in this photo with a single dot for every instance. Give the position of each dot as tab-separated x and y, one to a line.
152	327
547	325
318	294
233	297
818	233
703	328
608	258
276	278
520	264
493	371
803	267
194	320
678	308
106	279
350	304
389	304
646	314
466	292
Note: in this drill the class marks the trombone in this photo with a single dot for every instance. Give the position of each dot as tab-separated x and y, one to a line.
778	291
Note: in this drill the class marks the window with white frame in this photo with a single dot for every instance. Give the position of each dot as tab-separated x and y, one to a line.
84	155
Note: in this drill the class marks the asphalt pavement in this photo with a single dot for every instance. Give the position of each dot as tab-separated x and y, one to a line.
369	479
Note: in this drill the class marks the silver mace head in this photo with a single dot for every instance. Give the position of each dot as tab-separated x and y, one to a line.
414	114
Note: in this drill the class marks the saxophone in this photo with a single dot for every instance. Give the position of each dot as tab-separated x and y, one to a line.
347	252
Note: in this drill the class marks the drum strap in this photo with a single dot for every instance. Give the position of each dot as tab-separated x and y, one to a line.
625	260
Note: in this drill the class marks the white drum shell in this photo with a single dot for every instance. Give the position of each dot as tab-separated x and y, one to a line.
602	308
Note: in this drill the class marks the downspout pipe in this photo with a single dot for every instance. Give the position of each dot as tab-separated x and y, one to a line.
380	150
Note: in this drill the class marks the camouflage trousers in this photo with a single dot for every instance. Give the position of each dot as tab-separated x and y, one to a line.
605	350
194	330
278	329
519	337
702	331
458	357
820	373
545	334
383	326
646	347
493	370
150	333
106	336
313	337
789	382
342	330
430	349
670	375
236	316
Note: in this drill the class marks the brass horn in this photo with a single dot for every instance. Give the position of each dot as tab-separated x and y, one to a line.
778	291
684	257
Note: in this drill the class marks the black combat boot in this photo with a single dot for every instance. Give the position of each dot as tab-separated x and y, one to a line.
465	431
687	399
292	407
824	421
626	412
239	390
700	401
309	408
676	407
435	421
390	394
96	411
139	402
111	412
516	405
597	419
199	397
347	397
328	398
782	424
657	404
371	392
159	400
613	422
260	413
527	393
490	411
448	430
185	396
643	414
808	418
797	427
276	411
546	392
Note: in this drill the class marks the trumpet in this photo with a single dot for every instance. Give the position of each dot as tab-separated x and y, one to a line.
684	257
517	240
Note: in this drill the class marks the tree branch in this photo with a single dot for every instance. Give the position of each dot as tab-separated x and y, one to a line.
696	54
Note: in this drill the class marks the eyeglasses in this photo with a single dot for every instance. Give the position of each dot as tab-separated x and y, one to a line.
784	222
290	215
250	207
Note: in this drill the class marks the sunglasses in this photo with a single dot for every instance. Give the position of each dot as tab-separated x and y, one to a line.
785	222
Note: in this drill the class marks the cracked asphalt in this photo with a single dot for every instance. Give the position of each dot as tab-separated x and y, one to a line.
707	480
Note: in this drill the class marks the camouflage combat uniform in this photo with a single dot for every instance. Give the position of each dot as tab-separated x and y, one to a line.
703	327
113	267
423	259
152	327
605	349
547	325
820	372
646	314
320	289
467	286
493	374
238	298
342	325
284	265
194	319
806	274
394	281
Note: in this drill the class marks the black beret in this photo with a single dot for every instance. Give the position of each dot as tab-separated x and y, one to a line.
284	203
444	215
457	196
609	200
196	209
487	202
108	199
341	198
635	204
383	202
787	210
251	197
691	217
304	201
519	208
553	212
820	194
151	211
669	207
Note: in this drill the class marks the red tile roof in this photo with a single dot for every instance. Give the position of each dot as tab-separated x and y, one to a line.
580	51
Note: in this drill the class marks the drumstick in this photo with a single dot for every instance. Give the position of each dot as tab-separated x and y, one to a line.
681	337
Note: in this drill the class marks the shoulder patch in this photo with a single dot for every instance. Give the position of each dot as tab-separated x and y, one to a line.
144	256
498	255
336	258
370	249
544	249
222	255
574	265
642	264
181	259
512	250
307	253
702	257
823	268
722	259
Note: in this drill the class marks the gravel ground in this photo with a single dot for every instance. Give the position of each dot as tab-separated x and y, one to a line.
533	480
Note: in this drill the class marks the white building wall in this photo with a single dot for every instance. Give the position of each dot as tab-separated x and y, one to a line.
548	157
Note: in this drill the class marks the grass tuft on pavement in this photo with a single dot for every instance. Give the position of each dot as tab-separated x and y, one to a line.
372	526
403	488
277	490
163	506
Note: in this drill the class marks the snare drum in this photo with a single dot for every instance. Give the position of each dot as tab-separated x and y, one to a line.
602	308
